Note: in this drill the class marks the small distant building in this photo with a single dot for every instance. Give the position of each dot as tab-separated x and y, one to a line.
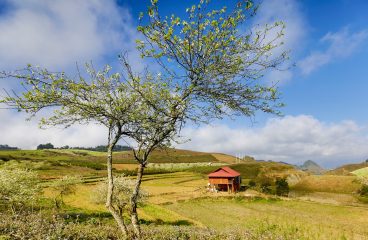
224	179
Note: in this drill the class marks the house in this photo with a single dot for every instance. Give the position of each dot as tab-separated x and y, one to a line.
224	179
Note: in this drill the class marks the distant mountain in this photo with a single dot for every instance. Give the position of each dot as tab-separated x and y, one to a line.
312	167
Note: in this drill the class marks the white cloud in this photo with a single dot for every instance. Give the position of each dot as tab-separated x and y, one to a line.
57	34
289	12
16	131
292	139
342	44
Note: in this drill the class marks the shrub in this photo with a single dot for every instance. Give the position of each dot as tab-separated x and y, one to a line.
123	189
252	184
282	187
18	187
266	188
363	191
64	186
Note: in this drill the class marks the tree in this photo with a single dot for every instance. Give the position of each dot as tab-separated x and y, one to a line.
216	66
7	147
209	70
45	146
18	187
112	100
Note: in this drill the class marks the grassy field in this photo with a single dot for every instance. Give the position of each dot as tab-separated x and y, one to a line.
180	199
310	220
320	207
158	156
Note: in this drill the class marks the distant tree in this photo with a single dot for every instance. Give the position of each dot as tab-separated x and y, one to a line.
103	148
282	187
18	188
6	147
65	147
45	146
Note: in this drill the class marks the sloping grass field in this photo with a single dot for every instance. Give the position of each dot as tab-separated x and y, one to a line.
328	183
363	172
347	169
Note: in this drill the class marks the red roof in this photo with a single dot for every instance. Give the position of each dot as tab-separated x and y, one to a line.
224	172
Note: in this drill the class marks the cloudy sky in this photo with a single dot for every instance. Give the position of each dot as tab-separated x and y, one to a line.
325	118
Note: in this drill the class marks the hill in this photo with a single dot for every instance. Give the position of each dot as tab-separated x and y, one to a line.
347	169
221	157
158	156
362	172
312	167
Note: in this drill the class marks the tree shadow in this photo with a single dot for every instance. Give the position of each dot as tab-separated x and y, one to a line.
159	221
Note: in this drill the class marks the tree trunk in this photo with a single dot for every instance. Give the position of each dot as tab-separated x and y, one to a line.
133	202
110	189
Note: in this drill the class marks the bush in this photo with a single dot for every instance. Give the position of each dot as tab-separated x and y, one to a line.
18	187
282	187
64	186
252	184
123	189
266	188
41	226
363	191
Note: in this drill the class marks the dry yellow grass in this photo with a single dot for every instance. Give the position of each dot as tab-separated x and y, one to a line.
310	220
122	166
224	158
81	199
183	194
328	183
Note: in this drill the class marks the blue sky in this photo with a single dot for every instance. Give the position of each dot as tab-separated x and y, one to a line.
325	93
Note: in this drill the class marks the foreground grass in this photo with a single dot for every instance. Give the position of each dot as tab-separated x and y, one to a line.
179	199
310	220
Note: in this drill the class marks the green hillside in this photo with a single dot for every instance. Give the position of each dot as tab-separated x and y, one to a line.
158	156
